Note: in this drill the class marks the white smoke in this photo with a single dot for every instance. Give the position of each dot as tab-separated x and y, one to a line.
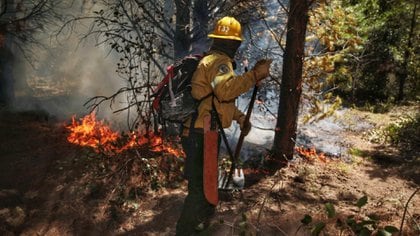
66	73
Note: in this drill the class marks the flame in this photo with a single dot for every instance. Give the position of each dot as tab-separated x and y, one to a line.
158	145
311	154
90	132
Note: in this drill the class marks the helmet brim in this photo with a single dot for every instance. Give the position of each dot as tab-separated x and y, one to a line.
225	37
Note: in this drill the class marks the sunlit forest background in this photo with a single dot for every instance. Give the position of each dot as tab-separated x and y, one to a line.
334	148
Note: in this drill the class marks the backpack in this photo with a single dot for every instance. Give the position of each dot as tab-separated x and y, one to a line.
172	97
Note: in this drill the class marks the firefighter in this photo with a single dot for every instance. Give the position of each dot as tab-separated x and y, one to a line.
214	82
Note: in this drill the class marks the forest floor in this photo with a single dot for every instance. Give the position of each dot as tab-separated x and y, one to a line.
48	187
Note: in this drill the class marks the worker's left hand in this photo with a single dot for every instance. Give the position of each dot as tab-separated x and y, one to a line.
262	69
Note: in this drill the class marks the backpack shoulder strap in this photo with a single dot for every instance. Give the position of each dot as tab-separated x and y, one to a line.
159	89
215	116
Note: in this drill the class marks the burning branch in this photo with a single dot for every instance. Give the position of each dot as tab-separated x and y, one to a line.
311	154
89	132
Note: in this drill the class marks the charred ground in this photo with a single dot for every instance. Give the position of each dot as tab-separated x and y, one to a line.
51	187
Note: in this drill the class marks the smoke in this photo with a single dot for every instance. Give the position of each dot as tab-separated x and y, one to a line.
66	73
65	77
325	135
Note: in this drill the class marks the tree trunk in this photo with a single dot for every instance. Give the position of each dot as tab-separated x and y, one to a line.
201	19
291	86
404	67
182	42
7	89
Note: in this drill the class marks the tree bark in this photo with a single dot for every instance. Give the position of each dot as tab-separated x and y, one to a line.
404	67
7	90
201	19
291	86
182	42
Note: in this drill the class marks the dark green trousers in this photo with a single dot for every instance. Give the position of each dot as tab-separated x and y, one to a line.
196	208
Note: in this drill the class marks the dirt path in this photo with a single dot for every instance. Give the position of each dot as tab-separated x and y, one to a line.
46	188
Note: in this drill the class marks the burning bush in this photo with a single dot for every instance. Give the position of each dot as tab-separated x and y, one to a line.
90	132
138	160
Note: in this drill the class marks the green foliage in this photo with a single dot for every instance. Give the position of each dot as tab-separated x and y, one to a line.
306	220
358	225
404	131
389	50
362	201
332	43
356	152
330	210
317	229
362	50
243	225
391	229
376	107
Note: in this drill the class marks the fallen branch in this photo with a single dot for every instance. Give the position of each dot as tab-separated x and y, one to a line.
405	210
265	198
279	229
264	201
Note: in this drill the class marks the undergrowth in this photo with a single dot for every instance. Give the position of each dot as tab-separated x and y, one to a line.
360	224
134	172
404	132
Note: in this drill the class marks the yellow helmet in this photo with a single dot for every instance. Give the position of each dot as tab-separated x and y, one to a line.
227	28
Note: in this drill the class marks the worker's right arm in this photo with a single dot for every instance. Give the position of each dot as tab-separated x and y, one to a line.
226	85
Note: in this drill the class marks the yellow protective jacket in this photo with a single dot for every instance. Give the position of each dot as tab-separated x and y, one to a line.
215	75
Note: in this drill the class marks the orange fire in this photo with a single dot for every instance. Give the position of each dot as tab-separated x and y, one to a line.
311	154
90	132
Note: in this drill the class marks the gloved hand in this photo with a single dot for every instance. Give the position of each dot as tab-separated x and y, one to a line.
245	126
262	69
